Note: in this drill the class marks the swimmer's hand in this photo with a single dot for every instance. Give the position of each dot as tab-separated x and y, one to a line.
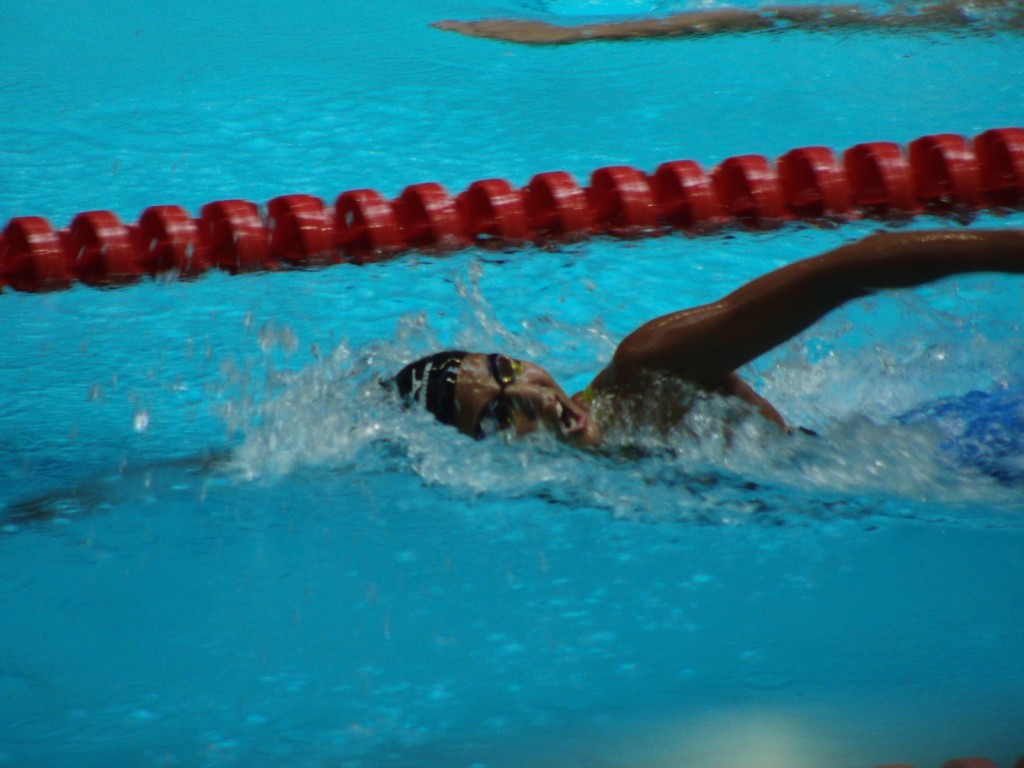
510	30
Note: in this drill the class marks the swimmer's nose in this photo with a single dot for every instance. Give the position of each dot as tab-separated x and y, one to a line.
545	403
535	405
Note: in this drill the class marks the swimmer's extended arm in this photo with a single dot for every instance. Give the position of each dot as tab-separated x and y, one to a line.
677	25
706	344
949	13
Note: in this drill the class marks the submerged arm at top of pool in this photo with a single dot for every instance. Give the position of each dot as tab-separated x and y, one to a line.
1002	14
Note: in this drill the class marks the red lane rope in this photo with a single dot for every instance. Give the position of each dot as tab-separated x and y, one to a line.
939	174
962	762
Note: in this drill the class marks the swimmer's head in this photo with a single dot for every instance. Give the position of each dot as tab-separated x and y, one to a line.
484	394
430	382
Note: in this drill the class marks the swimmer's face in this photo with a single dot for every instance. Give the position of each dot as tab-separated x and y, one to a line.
495	393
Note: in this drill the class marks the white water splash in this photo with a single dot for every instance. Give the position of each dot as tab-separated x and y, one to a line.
334	413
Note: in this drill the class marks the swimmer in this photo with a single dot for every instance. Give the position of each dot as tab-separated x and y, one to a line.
695	351
949	14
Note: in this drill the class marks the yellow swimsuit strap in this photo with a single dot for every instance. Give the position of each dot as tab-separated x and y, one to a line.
588	394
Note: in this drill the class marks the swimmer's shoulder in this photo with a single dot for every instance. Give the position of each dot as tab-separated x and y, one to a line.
606	383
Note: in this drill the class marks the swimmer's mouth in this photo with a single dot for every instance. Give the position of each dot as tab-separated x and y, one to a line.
570	422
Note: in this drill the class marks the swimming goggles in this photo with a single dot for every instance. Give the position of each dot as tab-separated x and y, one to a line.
496	415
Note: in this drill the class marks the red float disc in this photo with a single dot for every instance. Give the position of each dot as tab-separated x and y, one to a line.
880	179
621	200
556	205
367	226
686	196
813	183
429	217
169	239
301	230
103	249
32	256
235	236
748	188
493	208
945	172
1000	154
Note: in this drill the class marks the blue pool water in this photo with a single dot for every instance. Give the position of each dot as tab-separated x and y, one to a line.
220	547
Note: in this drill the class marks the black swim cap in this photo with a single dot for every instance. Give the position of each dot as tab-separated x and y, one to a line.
431	381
